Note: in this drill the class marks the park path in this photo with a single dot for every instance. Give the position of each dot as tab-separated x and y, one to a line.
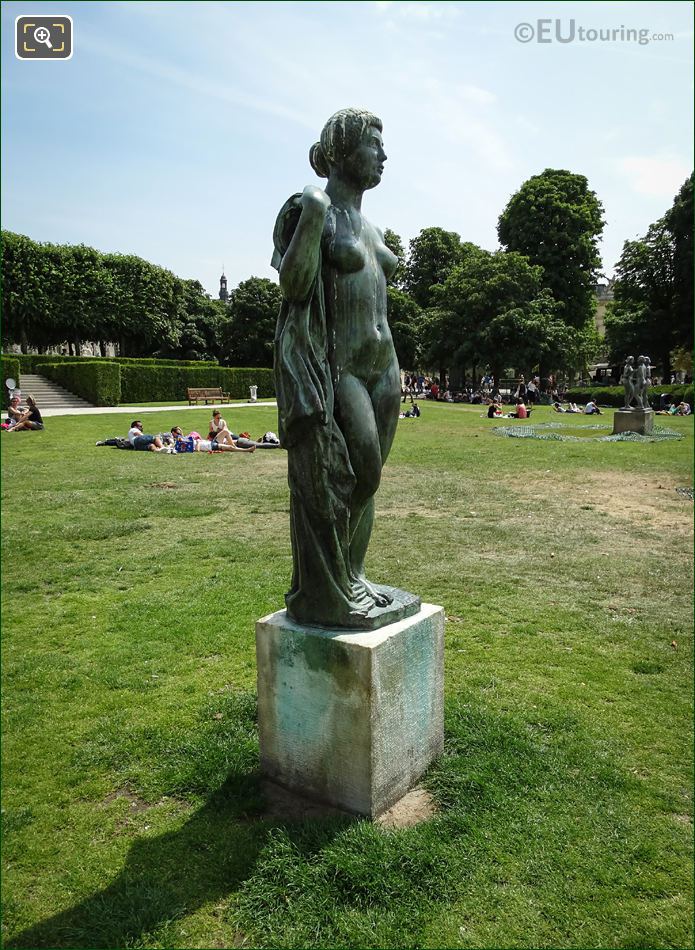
135	411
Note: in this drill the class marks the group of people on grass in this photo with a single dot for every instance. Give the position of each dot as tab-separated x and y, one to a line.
219	439
521	410
23	418
590	409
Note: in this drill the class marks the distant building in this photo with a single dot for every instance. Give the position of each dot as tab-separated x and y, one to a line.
604	295
602	371
224	293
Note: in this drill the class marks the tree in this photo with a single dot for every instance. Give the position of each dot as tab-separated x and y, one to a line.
147	305
26	300
493	309
679	222
254	306
556	221
639	320
433	253
394	243
203	324
404	318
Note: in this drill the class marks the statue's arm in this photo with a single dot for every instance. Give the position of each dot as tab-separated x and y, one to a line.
300	261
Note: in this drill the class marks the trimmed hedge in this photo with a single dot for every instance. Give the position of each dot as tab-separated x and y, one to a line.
99	382
29	362
10	370
615	395
159	383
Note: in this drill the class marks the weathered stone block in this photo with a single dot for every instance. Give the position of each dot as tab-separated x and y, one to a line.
633	420
353	719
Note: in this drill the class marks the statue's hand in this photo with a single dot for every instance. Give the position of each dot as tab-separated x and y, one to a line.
315	200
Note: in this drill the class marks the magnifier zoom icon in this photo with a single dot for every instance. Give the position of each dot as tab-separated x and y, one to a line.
43	35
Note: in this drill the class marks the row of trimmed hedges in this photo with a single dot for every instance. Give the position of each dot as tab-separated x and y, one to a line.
159	383
99	382
29	362
615	395
10	370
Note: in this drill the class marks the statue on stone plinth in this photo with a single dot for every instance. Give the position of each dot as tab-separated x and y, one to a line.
337	378
628	382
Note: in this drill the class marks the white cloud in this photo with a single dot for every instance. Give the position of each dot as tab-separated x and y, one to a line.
418	11
658	175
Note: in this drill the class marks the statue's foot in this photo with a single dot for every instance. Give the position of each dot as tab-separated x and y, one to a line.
381	599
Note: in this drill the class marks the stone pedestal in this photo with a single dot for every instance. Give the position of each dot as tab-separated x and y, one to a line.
633	420
351	718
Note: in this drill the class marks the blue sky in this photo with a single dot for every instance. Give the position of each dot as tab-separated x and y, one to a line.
177	130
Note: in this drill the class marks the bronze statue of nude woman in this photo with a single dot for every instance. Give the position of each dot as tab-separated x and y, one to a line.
337	379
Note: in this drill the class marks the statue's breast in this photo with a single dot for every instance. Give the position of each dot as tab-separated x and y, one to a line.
343	243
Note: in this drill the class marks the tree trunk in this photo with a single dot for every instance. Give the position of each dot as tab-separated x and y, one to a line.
666	372
102	347
474	372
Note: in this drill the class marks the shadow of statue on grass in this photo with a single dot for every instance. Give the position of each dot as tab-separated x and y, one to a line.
171	875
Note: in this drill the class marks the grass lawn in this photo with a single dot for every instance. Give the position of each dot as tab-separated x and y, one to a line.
132	808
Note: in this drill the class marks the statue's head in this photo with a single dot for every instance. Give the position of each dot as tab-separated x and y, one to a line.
351	147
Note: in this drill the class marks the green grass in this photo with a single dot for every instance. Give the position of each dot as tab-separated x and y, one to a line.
184	402
132	808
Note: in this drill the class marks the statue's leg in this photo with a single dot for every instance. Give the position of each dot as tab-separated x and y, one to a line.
355	416
385	398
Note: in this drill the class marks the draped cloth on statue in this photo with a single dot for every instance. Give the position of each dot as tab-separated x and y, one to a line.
321	479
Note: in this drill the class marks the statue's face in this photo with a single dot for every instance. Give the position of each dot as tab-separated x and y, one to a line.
364	167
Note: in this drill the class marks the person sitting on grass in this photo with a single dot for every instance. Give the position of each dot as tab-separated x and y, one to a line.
494	410
219	431
188	443
14	412
591	409
30	419
521	411
142	442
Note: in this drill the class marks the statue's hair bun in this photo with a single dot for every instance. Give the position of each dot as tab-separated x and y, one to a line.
319	161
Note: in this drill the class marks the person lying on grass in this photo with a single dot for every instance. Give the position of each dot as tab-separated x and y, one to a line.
188	443
142	442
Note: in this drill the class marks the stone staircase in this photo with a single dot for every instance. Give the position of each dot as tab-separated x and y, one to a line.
49	395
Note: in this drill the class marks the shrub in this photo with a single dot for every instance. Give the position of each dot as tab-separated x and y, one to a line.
10	370
159	383
97	381
615	395
29	362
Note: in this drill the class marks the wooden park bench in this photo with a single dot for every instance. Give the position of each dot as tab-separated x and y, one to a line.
211	394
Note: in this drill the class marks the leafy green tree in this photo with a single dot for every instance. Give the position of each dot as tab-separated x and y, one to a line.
494	310
433	253
404	318
394	243
640	317
203	323
556	221
679	222
26	300
248	338
147	304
